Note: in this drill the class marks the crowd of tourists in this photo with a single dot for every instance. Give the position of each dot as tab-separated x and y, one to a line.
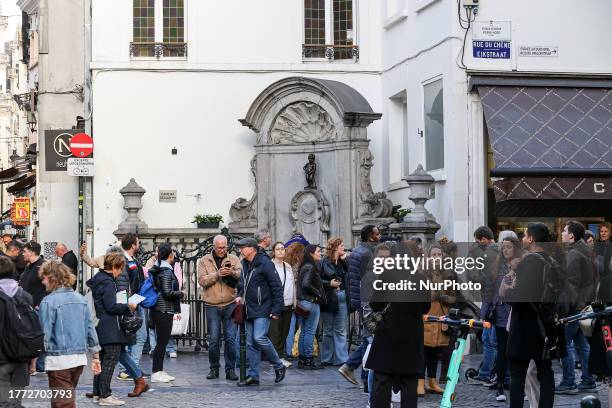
286	293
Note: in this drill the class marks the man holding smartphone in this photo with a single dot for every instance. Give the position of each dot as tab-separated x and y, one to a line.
218	274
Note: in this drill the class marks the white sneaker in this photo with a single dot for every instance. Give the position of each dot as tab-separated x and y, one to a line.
110	401
168	376
286	363
172	354
395	396
96	399
159	377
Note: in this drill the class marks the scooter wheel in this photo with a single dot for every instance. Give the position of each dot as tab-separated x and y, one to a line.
471	373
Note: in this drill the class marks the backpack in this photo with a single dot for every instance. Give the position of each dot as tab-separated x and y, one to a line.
149	292
22	337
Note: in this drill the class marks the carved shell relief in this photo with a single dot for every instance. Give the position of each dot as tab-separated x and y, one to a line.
302	122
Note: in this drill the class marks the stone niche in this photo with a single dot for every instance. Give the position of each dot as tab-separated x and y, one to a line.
297	117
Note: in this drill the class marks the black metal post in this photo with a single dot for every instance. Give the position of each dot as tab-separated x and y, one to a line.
241	382
80	283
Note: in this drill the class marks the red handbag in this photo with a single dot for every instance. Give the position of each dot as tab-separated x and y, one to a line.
239	314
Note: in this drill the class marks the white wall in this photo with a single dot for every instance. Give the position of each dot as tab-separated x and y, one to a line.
140	116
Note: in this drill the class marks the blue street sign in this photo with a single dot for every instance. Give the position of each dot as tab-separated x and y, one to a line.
491	49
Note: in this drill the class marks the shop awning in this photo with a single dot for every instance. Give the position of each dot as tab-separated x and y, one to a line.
22	185
549	142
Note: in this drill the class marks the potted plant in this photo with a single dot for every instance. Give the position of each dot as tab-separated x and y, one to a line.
399	213
207	220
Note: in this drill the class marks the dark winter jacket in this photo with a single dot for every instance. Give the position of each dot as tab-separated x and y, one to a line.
31	283
398	344
135	274
357	265
309	286
70	260
581	275
530	322
261	288
104	292
169	299
487	275
331	271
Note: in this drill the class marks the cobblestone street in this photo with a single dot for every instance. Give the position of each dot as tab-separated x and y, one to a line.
323	388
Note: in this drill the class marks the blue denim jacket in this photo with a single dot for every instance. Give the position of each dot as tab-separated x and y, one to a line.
67	324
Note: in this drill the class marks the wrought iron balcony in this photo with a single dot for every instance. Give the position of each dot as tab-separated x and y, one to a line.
158	50
331	52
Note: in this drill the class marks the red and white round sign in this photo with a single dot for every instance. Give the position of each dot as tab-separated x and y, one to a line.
81	145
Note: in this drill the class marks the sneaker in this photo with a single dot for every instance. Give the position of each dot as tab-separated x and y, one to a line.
582	387
500	396
172	354
480	380
279	374
110	401
286	363
491	384
96	399
347	373
168	376
159	377
123	376
566	389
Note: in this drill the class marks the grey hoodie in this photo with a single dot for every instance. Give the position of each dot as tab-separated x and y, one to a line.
9	286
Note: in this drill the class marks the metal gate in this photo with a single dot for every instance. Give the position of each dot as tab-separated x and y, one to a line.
197	333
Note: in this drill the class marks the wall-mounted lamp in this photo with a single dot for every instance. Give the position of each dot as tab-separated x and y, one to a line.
174	151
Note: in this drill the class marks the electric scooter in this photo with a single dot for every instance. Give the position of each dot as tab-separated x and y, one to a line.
464	327
604	316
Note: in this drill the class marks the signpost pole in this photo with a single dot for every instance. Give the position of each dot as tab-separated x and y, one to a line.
81	284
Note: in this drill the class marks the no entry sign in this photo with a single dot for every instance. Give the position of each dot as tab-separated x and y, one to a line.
81	145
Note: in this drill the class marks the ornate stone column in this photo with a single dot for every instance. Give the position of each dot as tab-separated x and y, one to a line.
419	221
132	195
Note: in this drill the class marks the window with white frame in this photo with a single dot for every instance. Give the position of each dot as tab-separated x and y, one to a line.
158	28
433	98
329	27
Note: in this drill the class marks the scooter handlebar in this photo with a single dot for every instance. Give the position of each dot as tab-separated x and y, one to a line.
466	323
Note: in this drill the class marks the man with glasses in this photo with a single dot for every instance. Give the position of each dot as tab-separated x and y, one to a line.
218	274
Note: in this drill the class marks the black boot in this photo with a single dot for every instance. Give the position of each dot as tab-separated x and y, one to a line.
214	373
314	365
303	363
231	375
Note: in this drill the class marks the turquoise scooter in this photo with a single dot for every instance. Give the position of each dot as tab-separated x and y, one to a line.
464	327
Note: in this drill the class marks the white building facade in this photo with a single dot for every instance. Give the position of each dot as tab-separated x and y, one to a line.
144	107
171	78
432	67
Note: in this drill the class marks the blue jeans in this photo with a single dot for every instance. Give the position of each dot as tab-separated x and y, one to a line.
40	362
141	338
489	353
170	348
291	335
574	335
308	328
258	341
130	366
335	349
215	317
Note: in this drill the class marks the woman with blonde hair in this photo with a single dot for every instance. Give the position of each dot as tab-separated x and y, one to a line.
334	313
69	331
